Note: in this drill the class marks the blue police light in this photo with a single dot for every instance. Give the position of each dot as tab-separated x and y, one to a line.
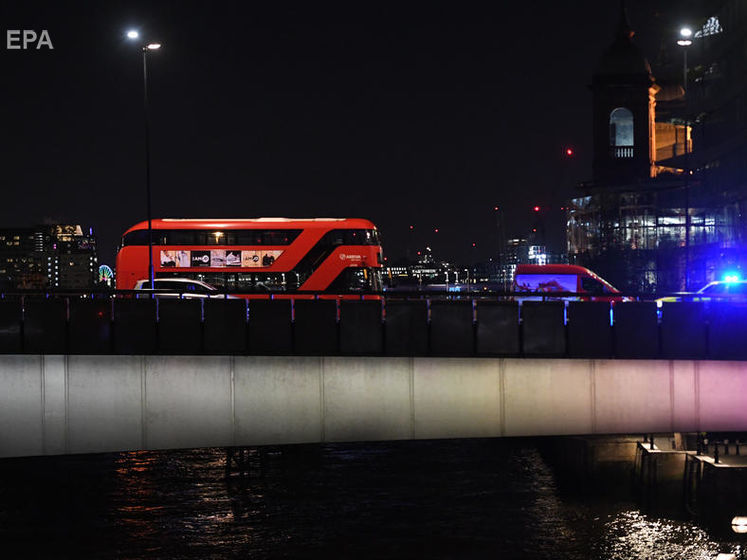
731	277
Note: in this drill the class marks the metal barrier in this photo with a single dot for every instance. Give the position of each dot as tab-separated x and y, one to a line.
33	324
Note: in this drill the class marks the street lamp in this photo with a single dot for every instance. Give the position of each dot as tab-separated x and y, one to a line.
685	41
146	48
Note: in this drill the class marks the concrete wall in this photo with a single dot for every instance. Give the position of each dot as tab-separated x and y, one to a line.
53	404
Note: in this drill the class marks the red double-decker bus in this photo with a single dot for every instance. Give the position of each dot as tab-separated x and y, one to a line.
259	255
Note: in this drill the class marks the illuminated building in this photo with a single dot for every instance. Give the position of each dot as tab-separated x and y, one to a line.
23	262
426	271
665	210
515	252
47	257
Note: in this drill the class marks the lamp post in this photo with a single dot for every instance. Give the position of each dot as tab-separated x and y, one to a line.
685	41
146	48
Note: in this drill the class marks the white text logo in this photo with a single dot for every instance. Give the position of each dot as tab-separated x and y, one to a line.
23	39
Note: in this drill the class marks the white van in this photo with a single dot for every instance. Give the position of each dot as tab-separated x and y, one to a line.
185	288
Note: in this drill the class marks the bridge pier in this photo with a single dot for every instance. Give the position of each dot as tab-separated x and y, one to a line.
595	459
659	472
716	491
708	484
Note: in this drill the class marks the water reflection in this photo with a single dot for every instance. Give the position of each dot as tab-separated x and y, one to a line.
632	534
437	499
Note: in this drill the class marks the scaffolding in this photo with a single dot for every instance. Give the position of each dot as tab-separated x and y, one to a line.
652	241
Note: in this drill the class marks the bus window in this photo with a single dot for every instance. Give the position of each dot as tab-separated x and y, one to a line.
213	237
247	282
357	279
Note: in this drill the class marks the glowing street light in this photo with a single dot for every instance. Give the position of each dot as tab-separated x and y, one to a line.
146	48
739	524
685	41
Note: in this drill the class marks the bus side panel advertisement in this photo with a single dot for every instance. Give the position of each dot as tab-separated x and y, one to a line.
219	258
168	259
233	258
200	258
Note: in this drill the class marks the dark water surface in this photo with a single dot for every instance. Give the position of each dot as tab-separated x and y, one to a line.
432	499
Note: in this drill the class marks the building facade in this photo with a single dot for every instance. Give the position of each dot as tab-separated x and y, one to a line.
48	257
665	210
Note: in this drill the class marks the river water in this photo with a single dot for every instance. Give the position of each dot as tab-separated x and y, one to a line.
491	498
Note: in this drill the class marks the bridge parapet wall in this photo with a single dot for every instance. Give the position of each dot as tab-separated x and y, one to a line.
457	328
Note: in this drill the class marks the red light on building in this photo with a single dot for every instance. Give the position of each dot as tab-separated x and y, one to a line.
412	228
569	152
474	244
436	230
536	208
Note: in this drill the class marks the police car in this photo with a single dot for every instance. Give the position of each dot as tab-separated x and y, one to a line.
731	288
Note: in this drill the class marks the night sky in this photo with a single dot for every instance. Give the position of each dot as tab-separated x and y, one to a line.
404	114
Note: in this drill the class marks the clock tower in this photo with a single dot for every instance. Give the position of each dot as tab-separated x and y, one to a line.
624	101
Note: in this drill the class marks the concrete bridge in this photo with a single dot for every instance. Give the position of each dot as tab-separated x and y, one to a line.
55	404
94	376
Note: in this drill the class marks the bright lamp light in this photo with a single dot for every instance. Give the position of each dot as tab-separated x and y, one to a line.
153	46
132	34
739	524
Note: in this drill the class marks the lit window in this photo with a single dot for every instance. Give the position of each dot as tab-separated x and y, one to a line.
621	127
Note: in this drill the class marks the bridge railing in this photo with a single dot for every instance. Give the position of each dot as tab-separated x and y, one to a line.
428	326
